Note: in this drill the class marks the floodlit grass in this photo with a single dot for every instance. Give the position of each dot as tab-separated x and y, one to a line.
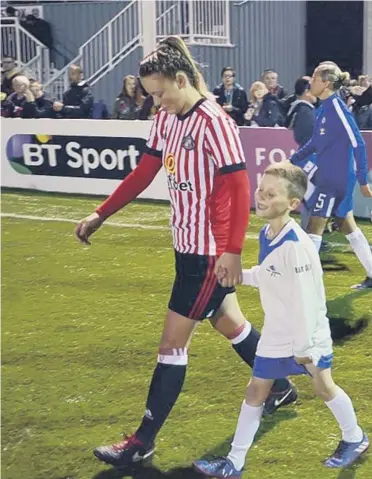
80	331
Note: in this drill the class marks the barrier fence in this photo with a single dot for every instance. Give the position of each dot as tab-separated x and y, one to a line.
92	157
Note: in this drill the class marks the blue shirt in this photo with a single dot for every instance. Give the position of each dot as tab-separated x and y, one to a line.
338	144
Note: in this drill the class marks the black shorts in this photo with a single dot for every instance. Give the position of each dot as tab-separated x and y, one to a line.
196	292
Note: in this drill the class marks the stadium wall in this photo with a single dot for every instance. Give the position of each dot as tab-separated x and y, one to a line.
266	34
74	23
92	157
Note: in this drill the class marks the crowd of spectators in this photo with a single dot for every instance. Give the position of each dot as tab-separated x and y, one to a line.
266	105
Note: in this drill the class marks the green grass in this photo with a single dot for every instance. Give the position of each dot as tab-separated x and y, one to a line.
80	330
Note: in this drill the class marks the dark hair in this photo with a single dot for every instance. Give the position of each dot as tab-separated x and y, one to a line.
170	57
297	179
301	86
268	70
227	69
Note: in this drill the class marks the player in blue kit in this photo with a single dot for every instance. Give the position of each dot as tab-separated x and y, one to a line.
341	161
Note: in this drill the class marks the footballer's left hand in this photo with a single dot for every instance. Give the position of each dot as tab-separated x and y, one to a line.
228	269
304	360
366	191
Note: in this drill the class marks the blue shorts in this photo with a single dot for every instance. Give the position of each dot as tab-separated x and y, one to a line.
279	368
326	204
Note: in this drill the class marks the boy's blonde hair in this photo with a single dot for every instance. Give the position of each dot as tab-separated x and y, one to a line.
295	176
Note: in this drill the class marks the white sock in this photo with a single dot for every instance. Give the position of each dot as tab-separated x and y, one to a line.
248	424
362	249
343	410
317	240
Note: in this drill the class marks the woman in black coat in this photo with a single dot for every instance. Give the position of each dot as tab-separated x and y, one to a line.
264	108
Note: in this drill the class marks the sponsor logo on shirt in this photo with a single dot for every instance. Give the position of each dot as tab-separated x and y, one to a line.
273	271
322	131
302	269
173	184
170	163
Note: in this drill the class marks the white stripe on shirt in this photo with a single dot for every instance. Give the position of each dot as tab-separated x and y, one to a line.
346	124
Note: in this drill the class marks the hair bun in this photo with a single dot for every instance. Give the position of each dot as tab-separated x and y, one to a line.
345	77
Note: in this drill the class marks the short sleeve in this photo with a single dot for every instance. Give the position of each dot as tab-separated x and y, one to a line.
223	144
155	141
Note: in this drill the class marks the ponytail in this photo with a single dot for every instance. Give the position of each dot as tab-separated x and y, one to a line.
170	57
330	71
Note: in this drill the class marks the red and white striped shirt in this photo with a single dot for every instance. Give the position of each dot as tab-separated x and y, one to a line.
196	150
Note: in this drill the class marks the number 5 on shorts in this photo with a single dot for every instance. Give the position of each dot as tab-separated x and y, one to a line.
324	205
320	203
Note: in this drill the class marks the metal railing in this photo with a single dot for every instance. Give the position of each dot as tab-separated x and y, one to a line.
105	49
197	21
31	55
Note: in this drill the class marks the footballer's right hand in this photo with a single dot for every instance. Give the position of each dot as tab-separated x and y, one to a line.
87	227
366	191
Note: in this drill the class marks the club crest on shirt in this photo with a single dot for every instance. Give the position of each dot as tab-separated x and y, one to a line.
188	142
323	120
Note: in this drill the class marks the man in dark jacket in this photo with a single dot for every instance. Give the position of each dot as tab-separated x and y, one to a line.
301	119
231	96
270	78
301	115
78	99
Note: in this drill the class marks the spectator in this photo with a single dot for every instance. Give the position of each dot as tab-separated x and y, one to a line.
363	117
39	28
231	96
7	106
149	109
39	106
288	100
301	115
78	99
360	102
130	100
363	92
264	108
270	78
10	71
21	94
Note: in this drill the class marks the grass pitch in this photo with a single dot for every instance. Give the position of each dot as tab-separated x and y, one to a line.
80	330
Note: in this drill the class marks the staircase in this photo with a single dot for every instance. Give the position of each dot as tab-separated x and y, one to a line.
197	21
31	55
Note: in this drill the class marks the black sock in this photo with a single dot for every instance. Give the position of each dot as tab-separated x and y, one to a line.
248	346
165	388
247	351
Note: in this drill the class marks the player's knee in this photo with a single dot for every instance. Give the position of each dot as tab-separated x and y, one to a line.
326	392
256	394
233	328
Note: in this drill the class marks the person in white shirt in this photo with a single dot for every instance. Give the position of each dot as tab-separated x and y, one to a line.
296	337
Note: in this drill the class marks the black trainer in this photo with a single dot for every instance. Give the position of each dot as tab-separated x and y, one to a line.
367	283
280	399
126	453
